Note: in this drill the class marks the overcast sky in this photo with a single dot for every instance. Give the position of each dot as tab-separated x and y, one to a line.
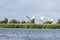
19	9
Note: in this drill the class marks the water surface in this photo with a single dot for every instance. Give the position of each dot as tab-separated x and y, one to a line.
29	34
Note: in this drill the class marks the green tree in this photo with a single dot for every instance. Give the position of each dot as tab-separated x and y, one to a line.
18	21
22	21
4	21
58	21
13	21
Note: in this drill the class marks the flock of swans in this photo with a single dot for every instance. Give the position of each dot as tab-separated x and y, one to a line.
42	19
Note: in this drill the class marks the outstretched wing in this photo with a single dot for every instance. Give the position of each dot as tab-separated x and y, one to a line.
28	17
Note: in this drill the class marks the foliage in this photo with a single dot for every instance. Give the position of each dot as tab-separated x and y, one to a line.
13	21
18	21
40	26
4	21
22	21
58	21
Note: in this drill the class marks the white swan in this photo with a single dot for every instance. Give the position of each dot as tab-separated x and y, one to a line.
42	18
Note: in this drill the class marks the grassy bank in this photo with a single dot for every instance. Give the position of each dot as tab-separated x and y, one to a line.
50	26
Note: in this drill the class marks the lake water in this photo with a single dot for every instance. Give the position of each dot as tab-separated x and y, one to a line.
29	34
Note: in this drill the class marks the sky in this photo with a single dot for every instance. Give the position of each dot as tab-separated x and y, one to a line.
19	9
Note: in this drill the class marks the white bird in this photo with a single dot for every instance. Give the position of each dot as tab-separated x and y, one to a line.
42	18
32	17
51	19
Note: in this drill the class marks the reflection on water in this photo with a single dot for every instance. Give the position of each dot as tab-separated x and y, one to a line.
29	34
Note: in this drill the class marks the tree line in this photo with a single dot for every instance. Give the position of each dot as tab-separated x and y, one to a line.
31	21
6	21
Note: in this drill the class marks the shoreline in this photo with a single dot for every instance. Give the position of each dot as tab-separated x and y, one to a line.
40	26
